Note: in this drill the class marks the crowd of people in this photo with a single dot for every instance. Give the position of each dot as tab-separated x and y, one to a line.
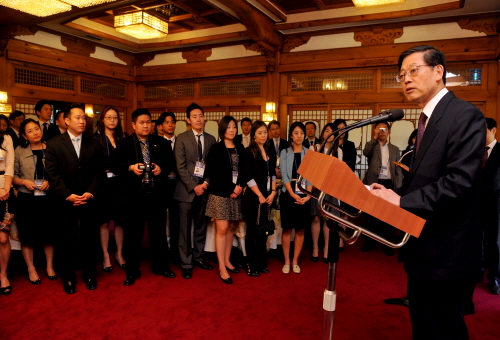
134	180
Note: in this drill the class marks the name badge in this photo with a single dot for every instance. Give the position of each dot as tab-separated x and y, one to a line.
235	176
384	172
171	175
302	184
37	191
110	174
268	183
199	169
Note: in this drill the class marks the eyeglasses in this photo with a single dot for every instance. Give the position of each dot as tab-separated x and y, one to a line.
111	118
412	72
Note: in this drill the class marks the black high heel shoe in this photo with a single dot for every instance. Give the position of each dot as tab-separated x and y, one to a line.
234	270
122	266
107	269
3	290
228	281
53	277
35	282
314	258
252	272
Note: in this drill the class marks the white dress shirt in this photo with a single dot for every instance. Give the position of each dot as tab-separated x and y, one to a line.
78	143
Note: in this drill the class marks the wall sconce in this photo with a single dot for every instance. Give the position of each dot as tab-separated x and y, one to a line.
89	110
3	97
269	115
5	108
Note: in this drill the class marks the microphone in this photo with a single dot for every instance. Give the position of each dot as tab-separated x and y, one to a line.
386	116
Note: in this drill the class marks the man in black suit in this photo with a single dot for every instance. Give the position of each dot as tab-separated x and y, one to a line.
310	135
74	165
191	151
144	161
277	143
15	119
490	196
244	138
43	110
443	188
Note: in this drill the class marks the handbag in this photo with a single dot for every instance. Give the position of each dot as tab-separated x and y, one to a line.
7	219
276	200
267	226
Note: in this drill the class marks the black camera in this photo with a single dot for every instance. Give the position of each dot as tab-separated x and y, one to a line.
147	173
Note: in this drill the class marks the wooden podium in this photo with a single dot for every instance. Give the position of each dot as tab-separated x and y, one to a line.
335	178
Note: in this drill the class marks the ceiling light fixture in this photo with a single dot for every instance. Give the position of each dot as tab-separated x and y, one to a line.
367	3
38	8
141	25
44	8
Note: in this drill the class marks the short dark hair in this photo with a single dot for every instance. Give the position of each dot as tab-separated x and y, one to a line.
164	116
140	112
292	127
4	117
16	114
412	135
56	116
192	107
491	123
40	104
67	109
22	131
432	56
224	123
246	119
273	122
313	123
378	123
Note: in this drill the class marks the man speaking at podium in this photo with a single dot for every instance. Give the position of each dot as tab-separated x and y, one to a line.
441	187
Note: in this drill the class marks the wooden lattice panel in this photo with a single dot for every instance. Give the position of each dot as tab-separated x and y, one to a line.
102	88
230	88
334	82
43	79
169	91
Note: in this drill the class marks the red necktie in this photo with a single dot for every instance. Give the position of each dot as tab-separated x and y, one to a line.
421	130
485	157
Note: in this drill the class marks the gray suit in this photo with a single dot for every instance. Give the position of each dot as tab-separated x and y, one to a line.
191	207
374	155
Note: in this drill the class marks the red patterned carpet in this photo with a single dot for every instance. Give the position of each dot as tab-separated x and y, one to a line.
273	306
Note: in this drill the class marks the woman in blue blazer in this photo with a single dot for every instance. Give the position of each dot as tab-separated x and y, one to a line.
295	205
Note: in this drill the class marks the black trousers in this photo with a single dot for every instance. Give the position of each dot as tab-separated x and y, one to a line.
78	237
381	228
192	213
437	307
255	244
150	210
173	210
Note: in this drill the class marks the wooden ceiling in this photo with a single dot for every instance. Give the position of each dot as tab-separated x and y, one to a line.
224	22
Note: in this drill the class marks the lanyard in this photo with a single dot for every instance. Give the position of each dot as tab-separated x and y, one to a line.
107	143
231	159
34	162
295	162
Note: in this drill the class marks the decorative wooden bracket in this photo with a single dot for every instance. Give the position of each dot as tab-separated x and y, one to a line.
378	36
197	55
291	43
134	60
11	31
490	26
78	46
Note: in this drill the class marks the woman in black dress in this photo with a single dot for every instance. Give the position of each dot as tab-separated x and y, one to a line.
295	206
224	199
35	227
6	175
259	175
109	131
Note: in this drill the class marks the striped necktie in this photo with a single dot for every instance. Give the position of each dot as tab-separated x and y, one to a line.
145	151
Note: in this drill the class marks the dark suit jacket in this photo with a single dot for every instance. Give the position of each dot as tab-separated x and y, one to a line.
128	152
307	144
219	170
52	131
272	149
186	156
490	191
238	139
442	187
349	154
15	140
69	174
374	155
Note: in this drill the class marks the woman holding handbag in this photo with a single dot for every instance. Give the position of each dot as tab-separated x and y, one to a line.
259	174
224	199
6	175
295	207
32	184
